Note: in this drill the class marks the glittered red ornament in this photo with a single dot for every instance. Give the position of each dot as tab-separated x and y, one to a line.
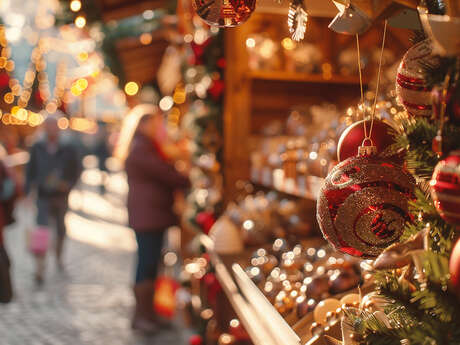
454	268
363	205
452	103
353	136
411	87
224	13
445	188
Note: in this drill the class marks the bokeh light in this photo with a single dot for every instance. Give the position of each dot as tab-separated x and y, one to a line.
75	5
146	38
131	88
80	22
63	123
166	103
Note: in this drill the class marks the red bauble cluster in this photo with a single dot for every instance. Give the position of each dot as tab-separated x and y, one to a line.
224	13
445	188
352	138
363	205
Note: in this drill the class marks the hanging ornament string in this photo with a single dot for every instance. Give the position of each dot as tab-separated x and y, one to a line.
378	78
368	135
361	104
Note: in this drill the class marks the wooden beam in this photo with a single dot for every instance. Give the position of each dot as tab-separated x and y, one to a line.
129	8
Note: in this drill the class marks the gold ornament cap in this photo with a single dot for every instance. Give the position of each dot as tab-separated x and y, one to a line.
367	150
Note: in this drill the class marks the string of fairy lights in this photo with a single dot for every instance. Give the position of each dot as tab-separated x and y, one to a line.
51	50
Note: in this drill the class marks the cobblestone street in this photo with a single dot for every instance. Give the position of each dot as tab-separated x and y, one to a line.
91	302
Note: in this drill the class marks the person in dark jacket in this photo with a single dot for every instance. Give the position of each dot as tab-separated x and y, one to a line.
53	169
9	191
152	181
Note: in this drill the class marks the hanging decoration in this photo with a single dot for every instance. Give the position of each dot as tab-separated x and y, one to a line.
363	205
412	89
445	188
352	138
224	13
442	26
357	16
297	19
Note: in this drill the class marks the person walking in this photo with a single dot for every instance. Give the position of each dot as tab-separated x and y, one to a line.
53	169
9	192
152	181
102	152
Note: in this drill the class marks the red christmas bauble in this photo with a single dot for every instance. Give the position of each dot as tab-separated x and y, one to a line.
454	268
452	103
205	220
445	188
411	87
195	340
353	136
363	205
224	13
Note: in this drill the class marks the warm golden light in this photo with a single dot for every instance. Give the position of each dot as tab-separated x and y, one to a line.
9	65
250	42
2	62
51	107
82	84
75	5
34	119
146	38
8	98
179	96
83	56
6	119
16	89
14	110
63	123
80	22
131	88
21	115
288	43
75	90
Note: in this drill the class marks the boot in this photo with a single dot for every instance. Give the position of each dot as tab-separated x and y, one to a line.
142	318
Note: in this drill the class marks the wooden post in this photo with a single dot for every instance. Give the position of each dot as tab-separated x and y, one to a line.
236	111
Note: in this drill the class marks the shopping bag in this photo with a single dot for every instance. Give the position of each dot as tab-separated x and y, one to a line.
39	240
164	300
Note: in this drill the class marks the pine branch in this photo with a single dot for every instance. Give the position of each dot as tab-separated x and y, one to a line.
435	73
417	140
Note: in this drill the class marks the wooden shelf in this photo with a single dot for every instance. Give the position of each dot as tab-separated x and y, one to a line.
262	322
285	76
276	181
